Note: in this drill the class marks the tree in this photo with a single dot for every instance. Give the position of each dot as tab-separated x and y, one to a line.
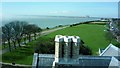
32	29
13	38
112	34
3	40
24	31
6	30
35	29
47	28
15	31
109	36
18	28
119	26
28	31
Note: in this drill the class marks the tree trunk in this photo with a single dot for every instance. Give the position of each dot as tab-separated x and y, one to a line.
35	36
24	40
29	38
14	43
19	43
9	45
4	44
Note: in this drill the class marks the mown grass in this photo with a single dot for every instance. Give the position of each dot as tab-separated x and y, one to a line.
24	54
93	35
18	56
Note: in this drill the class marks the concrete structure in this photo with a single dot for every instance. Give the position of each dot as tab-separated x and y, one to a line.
66	49
67	56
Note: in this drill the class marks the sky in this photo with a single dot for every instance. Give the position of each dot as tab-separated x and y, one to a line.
59	0
94	9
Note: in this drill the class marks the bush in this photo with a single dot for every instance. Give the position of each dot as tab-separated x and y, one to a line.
71	25
60	25
47	28
85	50
46	47
117	45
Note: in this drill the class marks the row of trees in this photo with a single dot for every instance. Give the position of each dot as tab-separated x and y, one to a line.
113	29
16	31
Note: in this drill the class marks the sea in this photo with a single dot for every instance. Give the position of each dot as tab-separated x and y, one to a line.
48	21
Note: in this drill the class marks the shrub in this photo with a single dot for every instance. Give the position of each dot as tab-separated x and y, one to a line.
46	47
60	25
85	50
47	28
117	45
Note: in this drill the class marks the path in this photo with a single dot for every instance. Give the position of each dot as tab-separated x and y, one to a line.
16	65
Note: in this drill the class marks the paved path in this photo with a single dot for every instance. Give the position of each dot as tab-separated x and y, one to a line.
42	34
52	30
16	65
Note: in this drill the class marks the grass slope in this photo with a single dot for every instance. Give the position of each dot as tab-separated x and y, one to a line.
92	35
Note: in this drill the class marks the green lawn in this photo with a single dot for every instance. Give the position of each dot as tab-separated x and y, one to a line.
23	55
93	35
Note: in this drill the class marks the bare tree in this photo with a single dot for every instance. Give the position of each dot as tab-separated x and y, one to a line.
18	28
28	31
3	40
15	30
6	30
31	29
13	38
35	29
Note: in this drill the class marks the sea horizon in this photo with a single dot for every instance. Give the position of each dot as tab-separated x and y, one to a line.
44	21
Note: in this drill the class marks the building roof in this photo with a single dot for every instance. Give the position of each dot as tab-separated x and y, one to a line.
94	60
111	50
45	59
89	62
117	57
114	63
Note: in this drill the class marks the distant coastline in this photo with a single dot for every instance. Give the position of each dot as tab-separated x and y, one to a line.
58	16
50	21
